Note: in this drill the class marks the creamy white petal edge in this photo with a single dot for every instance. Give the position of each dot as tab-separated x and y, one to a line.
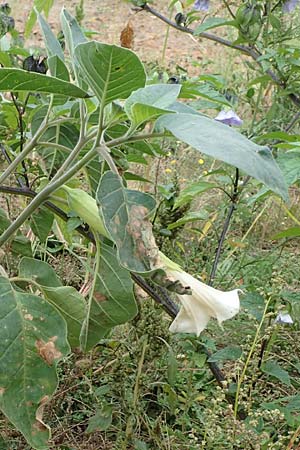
204	303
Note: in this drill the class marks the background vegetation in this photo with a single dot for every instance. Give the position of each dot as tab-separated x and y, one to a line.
140	387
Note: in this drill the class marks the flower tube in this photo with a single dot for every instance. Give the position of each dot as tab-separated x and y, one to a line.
203	303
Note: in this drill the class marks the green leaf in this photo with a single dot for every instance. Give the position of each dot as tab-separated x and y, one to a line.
273	368
230	353
114	301
254	304
289	163
57	68
205	90
150	102
188	218
41	223
33	337
18	80
224	143
39	6
20	245
126	217
290	232
213	22
68	302
101	420
53	46
192	191
72	32
111	72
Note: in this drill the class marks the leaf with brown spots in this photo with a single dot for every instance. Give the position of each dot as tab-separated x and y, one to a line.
127	36
29	350
47	350
126	214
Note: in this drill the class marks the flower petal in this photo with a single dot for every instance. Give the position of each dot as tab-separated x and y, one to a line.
205	302
201	5
289	6
229	118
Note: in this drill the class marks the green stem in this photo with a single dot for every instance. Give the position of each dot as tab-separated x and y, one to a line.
26	150
56	183
85	326
252	349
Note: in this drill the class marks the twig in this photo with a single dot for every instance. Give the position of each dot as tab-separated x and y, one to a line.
234	199
9	160
21	112
254	54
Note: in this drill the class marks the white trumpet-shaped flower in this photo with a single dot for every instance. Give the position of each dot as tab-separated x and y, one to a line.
203	303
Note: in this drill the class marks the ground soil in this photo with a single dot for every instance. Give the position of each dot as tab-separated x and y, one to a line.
109	17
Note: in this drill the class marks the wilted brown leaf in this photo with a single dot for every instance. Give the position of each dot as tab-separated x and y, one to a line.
127	36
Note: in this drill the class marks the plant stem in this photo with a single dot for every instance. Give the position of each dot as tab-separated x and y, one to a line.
254	54
252	349
234	199
29	147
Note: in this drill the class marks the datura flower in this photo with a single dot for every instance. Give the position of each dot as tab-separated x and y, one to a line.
229	118
203	303
201	5
289	6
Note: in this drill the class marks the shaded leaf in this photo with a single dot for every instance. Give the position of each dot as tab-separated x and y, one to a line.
230	353
68	302
188	218
126	217
101	420
273	368
190	192
290	232
41	223
114	302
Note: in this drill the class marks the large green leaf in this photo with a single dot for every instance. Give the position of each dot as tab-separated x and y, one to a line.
113	302
224	143
17	80
111	72
126	217
68	302
53	46
150	102
72	32
33	337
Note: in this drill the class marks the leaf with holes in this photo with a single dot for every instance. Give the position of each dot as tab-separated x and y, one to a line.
125	214
33	337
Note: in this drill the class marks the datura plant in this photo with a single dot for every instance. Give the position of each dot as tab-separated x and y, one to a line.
69	136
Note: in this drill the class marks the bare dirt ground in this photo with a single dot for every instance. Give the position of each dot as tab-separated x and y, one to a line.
109	17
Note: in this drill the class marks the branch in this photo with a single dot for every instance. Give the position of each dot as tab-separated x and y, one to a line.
234	199
249	51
